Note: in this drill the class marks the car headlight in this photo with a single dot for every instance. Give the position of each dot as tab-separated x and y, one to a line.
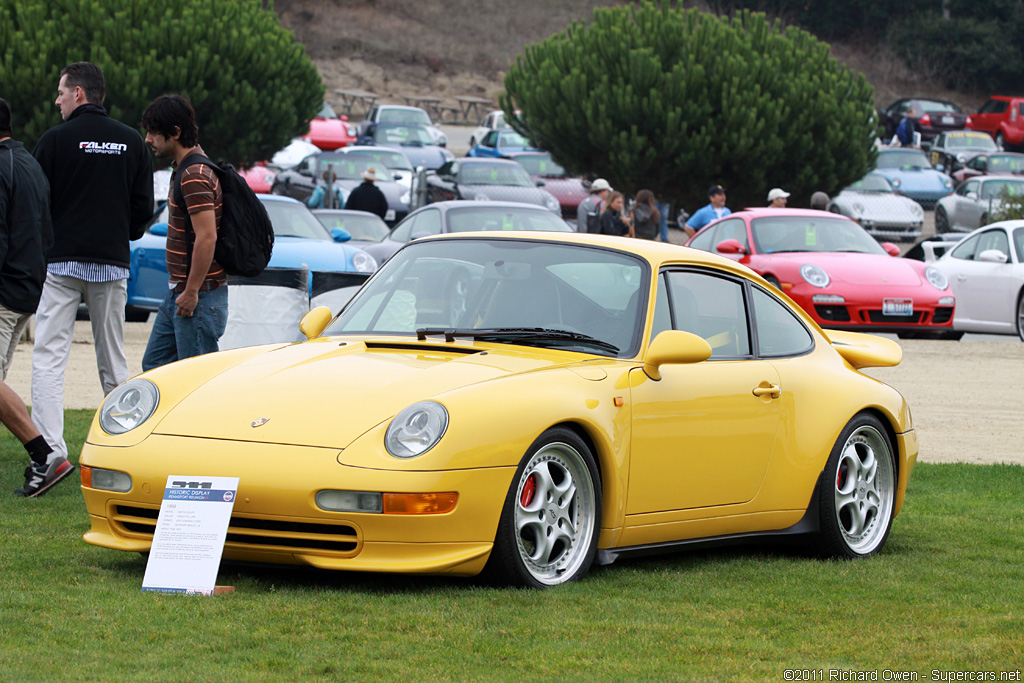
552	204
814	275
858	209
936	277
352	132
917	211
416	430
480	197
948	184
363	262
128	406
961	157
896	182
442	140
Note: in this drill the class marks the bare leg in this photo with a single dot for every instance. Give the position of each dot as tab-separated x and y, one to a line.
14	415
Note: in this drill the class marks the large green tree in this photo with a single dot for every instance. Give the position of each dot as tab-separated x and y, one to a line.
675	100
251	83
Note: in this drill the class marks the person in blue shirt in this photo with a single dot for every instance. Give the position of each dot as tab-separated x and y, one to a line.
326	196
712	212
905	131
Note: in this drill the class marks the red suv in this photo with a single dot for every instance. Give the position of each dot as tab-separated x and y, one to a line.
1002	118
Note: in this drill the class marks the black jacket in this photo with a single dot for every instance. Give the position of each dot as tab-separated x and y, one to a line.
25	229
367	197
612	224
101	186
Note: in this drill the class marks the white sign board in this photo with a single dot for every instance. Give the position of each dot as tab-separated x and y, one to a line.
190	533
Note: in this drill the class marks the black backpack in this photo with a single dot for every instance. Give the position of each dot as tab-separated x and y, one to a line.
245	238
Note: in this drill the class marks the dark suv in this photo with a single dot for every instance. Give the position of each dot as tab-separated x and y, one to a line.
1002	118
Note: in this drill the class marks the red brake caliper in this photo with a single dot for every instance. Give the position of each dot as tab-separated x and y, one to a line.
526	497
840	475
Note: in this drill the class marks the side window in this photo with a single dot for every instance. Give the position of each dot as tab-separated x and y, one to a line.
705	239
662	317
490	140
427	223
969	186
734	229
965	250
993	239
1018	244
305	166
779	332
713	308
372	116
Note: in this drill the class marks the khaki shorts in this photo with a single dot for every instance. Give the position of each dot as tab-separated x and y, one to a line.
12	326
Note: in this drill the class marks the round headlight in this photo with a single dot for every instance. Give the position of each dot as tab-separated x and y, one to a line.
363	262
128	406
814	275
416	430
353	132
480	197
917	211
936	278
858	208
948	184
552	204
895	182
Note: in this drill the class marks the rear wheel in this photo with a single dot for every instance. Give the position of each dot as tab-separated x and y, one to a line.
552	515
857	493
941	220
1020	315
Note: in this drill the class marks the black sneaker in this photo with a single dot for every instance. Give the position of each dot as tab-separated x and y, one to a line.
40	478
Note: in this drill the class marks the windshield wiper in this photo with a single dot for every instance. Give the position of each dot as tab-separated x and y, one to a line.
520	334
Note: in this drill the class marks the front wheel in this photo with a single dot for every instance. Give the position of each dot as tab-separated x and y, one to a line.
1020	315
941	220
773	281
857	493
552	515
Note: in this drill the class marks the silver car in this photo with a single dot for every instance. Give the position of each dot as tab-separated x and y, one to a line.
873	203
975	202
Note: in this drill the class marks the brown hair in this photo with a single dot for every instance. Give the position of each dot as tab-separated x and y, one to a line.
89	78
647	197
611	198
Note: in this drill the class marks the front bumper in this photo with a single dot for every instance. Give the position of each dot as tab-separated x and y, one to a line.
863	312
276	520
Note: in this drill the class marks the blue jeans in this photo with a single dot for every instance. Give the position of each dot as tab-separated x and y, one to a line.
663	209
175	338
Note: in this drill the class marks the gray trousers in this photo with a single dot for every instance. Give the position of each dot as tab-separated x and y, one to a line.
55	327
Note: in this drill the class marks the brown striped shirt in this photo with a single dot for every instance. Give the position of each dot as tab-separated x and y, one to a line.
201	191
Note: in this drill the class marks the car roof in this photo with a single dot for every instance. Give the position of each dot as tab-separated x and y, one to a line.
761	211
485	161
278	198
493	204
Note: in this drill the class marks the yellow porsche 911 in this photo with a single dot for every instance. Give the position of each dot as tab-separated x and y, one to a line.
521	405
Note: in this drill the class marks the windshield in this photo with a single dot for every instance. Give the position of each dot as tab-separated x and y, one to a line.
997	189
1006	163
389	158
811	233
477	218
512	285
327	112
935	106
291	219
494	174
871	183
510	138
903	158
974	141
539	164
402	135
413	117
349	167
362	226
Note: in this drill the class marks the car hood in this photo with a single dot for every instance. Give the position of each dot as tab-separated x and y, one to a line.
915	179
319	255
326	392
568	191
858	269
880	207
428	156
505	193
392	191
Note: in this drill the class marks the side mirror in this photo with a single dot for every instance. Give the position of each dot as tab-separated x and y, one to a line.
340	235
315	322
674	347
891	249
993	256
730	246
158	229
541	183
398	176
343	117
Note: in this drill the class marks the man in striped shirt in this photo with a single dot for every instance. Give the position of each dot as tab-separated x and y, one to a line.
194	313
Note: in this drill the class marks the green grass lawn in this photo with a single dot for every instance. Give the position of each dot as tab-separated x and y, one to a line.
945	594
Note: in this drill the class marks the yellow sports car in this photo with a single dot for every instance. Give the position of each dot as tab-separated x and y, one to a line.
522	405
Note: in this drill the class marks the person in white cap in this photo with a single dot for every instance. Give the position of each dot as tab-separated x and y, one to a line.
368	197
777	198
588	213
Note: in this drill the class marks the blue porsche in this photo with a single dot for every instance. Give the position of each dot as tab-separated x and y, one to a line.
911	175
300	241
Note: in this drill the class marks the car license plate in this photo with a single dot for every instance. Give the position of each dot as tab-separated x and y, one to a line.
897	307
948	120
390	215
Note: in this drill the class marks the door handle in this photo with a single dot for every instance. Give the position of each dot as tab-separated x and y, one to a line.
772	390
961	277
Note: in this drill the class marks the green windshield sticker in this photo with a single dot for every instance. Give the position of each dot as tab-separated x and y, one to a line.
810	236
506	222
494	174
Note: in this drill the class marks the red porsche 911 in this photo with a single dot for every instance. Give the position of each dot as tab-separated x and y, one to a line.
835	271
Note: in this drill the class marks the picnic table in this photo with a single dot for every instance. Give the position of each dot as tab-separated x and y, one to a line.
428	103
349	98
471	108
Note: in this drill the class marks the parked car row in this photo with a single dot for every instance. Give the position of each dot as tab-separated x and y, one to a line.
1001	118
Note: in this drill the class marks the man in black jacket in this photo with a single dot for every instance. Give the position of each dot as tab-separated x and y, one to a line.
101	196
368	197
25	235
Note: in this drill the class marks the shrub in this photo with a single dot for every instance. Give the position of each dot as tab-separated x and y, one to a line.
1011	207
252	85
674	100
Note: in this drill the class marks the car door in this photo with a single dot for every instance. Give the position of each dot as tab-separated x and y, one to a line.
701	437
488	147
966	208
987	118
983	288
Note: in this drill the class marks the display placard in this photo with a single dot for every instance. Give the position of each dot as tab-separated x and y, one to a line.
190	533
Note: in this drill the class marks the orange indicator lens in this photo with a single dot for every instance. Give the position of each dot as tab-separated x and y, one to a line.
86	472
419	503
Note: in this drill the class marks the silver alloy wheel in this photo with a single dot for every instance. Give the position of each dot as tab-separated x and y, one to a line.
865	490
555	510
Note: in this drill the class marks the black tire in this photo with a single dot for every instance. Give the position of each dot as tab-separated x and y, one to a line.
557	463
984	220
773	281
941	221
1020	315
135	315
857	491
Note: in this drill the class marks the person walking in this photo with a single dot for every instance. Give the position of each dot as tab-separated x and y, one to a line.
101	197
26	232
588	213
646	217
714	210
367	196
613	220
777	198
326	196
905	131
194	313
